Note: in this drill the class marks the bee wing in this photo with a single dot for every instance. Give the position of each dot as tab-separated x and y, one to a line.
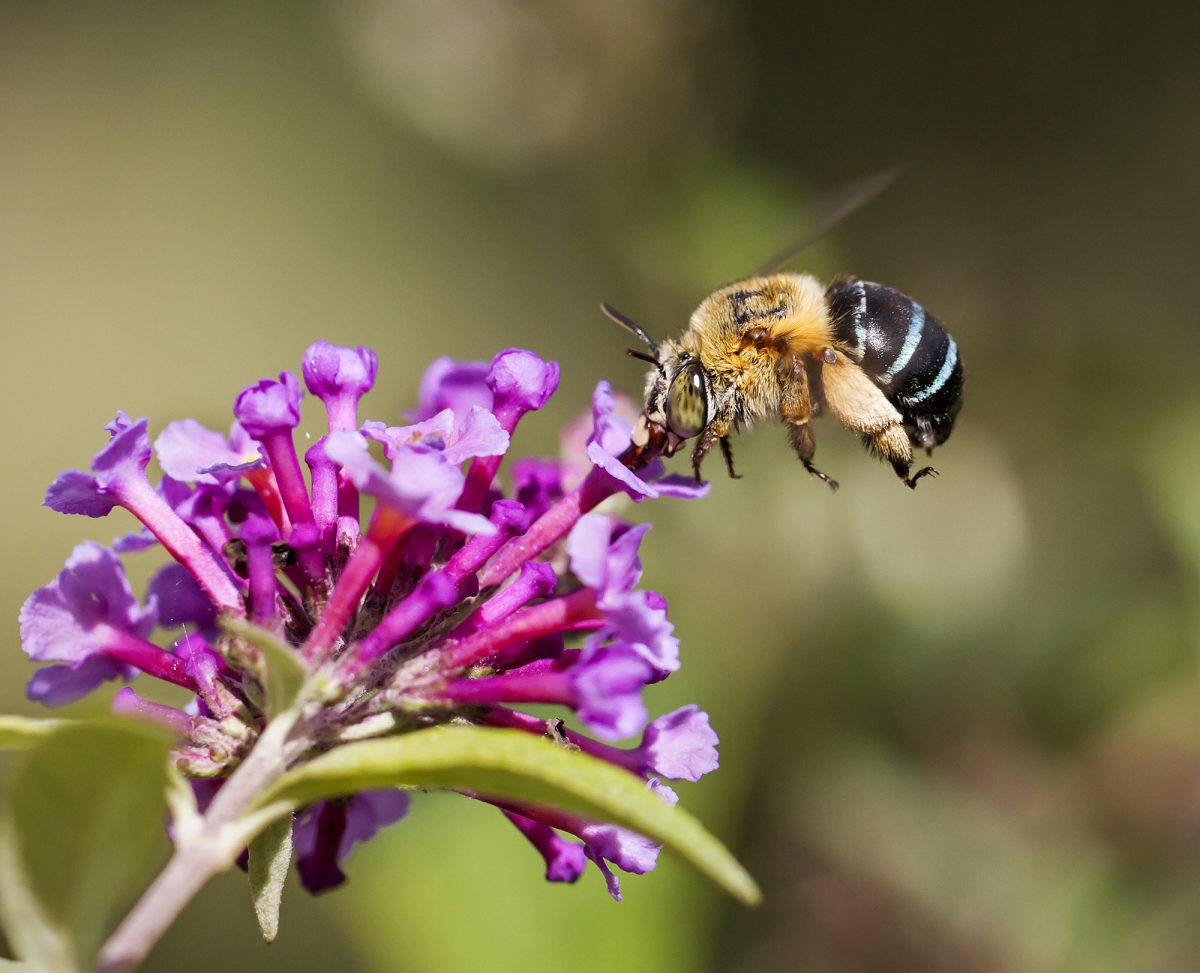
832	210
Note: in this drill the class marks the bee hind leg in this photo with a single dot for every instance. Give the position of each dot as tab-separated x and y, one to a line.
801	437
892	444
911	481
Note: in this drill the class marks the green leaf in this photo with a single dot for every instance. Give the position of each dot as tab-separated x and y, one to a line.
270	858
33	937
285	673
22	732
86	823
516	766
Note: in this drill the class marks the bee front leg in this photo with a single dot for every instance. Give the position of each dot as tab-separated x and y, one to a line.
708	439
727	452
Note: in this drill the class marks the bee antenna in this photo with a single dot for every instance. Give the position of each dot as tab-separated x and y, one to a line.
642	356
634	329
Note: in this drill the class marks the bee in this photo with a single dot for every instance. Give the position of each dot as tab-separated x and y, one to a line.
785	347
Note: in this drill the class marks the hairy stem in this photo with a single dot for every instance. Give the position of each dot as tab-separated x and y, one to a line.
212	848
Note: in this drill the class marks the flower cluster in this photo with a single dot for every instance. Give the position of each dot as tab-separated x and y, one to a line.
405	582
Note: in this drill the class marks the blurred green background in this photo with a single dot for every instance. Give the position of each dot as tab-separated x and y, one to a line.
959	726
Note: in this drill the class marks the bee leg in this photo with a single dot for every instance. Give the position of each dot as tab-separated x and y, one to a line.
727	452
708	439
802	440
911	481
892	444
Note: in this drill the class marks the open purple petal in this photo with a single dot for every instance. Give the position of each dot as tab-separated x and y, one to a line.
127	453
587	549
679	487
421	483
611	435
680	745
368	812
628	850
177	600
70	618
74	492
478	433
137	540
475	432
60	685
639	621
325	832
607	684
192	453
434	432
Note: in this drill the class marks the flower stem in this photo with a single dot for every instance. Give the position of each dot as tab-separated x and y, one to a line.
211	849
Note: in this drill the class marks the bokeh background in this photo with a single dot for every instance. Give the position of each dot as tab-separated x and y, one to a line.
959	726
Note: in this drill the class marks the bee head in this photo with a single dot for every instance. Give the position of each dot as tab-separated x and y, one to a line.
678	393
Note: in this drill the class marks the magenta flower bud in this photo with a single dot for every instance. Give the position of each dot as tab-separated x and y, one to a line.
269	410
520	382
269	406
450	384
339	377
565	860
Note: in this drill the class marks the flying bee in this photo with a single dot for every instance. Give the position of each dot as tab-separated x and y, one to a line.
785	347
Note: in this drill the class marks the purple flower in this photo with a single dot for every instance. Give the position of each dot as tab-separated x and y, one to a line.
88	617
325	832
421	484
269	406
269	410
475	432
339	377
611	436
538	484
521	382
117	470
603	556
176	599
679	746
628	850
60	685
119	478
192	453
88	606
446	605
565	860
450	384
607	691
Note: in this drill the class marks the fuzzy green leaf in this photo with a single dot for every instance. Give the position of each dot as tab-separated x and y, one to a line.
285	673
516	766
85	824
22	732
270	858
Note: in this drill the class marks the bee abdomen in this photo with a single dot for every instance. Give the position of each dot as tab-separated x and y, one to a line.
904	351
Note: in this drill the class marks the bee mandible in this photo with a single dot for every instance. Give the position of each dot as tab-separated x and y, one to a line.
785	347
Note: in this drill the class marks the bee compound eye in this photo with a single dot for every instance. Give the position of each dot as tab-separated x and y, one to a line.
687	402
